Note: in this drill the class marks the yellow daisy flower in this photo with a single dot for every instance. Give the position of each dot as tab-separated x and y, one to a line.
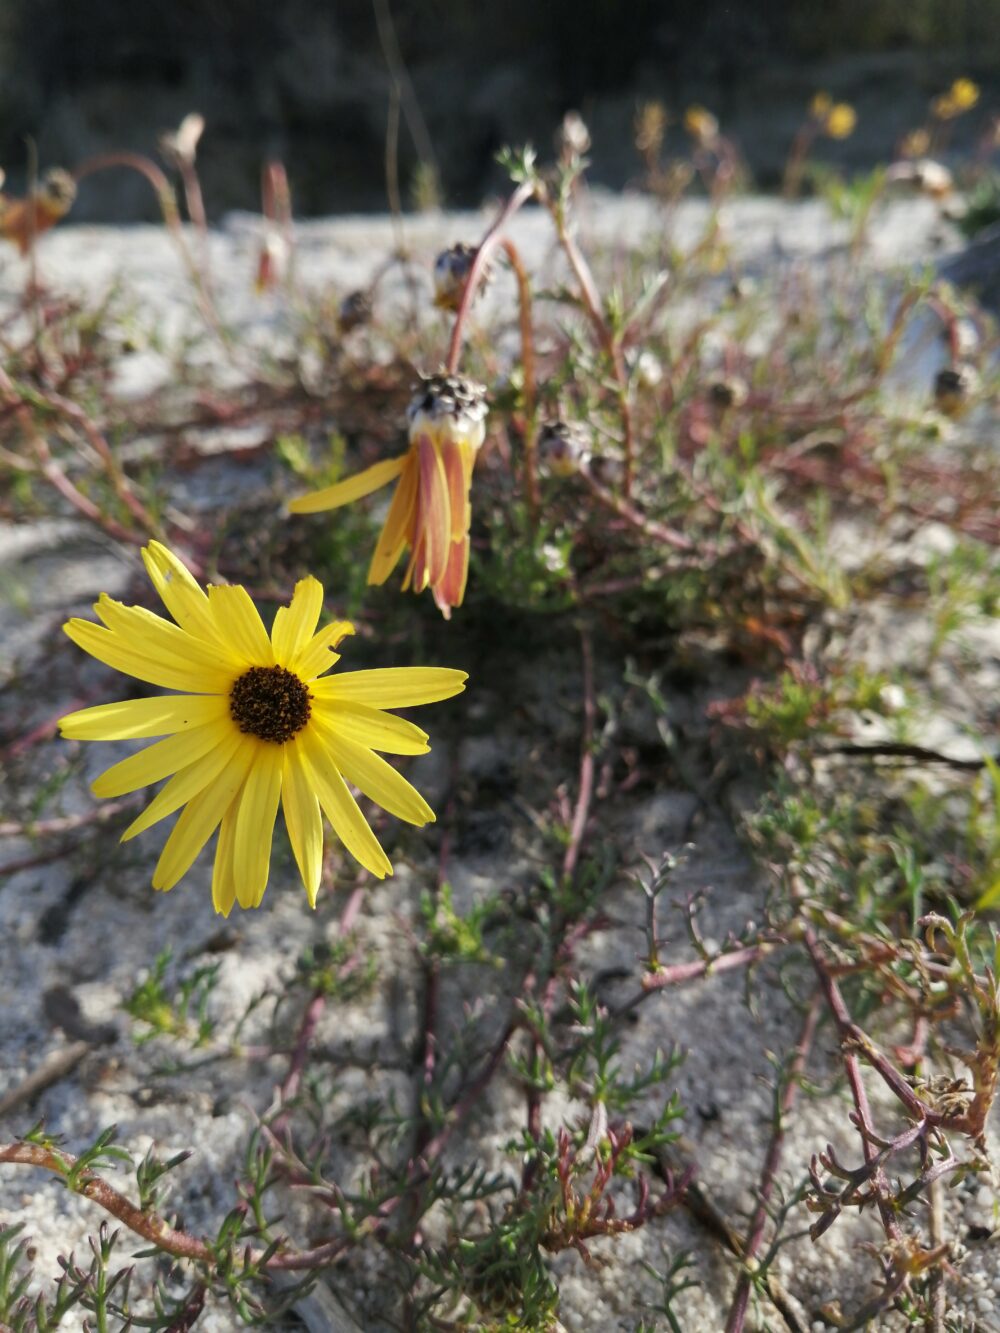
430	513
259	723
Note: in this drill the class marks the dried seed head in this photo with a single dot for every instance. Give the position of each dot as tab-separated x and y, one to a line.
564	447
57	191
179	147
572	138
731	391
272	261
354	310
451	273
924	175
647	369
953	388
269	703
450	405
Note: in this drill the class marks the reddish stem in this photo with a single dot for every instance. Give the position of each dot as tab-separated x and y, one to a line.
486	247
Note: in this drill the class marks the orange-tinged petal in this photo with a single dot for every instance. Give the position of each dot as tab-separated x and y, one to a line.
458	459
433	522
451	589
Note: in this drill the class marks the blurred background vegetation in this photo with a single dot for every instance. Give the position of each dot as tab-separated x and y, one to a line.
307	80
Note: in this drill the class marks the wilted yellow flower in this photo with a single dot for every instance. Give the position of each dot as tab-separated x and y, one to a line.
840	121
430	512
821	106
701	125
259	724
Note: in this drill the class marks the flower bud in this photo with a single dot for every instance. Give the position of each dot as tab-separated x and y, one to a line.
354	310
572	137
564	447
451	272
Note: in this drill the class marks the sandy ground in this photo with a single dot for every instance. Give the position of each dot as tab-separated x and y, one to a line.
88	926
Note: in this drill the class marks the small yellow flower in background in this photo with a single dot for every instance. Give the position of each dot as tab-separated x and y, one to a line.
821	106
259	724
961	96
22	220
430	513
840	121
701	125
964	94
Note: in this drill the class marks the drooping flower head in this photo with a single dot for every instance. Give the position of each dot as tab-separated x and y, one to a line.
702	126
259	724
451	272
23	220
430	513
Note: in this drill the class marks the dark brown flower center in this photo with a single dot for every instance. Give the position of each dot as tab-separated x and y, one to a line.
269	703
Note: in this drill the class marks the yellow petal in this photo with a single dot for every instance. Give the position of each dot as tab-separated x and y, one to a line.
397	532
178	591
344	492
372	727
391	687
158	761
198	821
378	780
295	625
134	719
165	670
318	655
302	819
240	624
340	807
255	824
223	883
153	636
186	784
